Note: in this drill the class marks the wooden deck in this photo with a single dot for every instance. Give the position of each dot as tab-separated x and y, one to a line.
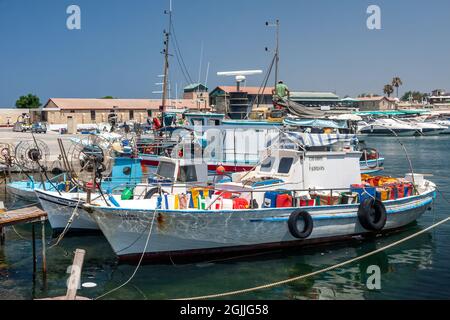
24	215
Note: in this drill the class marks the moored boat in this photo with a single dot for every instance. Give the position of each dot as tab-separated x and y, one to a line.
307	212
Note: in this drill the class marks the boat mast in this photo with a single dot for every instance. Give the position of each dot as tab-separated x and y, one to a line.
166	62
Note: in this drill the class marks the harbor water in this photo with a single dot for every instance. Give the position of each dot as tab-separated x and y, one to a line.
417	269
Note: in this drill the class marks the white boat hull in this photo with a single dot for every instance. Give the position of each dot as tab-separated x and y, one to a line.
60	209
383	131
198	232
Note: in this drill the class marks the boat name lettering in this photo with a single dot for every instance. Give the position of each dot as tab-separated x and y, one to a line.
129	217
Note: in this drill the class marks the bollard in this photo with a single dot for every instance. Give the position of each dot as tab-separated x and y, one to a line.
2	236
33	239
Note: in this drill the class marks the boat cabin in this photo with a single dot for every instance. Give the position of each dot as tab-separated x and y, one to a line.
292	170
204	119
177	176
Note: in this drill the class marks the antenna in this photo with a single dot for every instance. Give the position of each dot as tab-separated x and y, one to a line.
240	76
207	74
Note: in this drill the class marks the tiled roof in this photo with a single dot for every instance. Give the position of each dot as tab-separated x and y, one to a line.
314	95
124	104
379	98
249	90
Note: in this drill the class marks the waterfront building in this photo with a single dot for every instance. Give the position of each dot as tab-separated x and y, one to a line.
377	103
9	116
199	93
90	111
316	99
220	97
439	98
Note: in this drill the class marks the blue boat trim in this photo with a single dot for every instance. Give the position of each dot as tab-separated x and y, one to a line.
322	208
344	216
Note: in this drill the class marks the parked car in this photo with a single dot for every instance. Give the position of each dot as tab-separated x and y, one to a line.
21	127
39	127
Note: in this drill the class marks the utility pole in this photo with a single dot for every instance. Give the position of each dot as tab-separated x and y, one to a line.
277	50
166	63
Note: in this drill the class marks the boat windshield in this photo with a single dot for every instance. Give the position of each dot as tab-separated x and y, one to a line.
187	174
285	165
266	165
166	170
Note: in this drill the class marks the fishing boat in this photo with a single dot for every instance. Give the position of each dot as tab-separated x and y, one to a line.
236	144
24	189
293	198
66	201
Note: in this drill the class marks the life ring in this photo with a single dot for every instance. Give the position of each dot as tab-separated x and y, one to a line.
372	215
151	193
293	224
370	154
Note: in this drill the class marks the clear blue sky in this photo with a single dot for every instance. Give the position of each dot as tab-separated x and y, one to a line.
325	45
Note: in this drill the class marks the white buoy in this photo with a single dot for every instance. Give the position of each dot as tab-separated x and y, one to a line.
89	285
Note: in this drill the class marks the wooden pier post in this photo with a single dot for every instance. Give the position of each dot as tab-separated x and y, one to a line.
2	236
44	253
75	275
33	239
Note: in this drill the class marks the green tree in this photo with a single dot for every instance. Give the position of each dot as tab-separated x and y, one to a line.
397	82
29	101
108	97
388	89
414	95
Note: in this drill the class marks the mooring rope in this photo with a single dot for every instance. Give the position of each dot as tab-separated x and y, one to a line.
68	225
139	263
336	266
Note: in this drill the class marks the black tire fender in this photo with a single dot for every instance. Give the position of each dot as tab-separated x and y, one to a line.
372	215
151	193
293	224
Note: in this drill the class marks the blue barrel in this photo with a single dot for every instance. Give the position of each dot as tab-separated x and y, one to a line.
270	199
365	193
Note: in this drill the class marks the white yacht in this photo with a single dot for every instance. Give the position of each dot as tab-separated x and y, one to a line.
387	127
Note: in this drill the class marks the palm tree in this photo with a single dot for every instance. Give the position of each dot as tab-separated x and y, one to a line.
388	89
397	82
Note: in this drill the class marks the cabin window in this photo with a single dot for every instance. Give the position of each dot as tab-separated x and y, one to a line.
214	122
187	174
127	171
166	170
197	122
267	165
285	165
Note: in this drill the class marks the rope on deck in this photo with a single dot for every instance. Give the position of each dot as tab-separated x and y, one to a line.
336	266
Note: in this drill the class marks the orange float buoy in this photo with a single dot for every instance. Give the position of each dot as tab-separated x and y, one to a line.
220	170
